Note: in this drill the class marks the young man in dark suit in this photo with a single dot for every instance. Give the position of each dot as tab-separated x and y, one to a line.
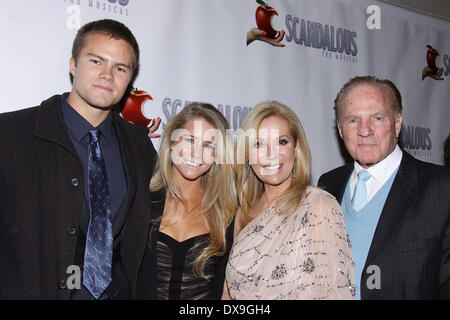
396	208
74	180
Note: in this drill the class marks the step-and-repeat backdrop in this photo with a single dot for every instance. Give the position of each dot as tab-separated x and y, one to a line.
197	50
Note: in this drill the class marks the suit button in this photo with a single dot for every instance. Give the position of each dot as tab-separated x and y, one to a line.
75	182
72	230
62	285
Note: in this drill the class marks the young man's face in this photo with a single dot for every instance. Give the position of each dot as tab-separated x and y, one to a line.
101	73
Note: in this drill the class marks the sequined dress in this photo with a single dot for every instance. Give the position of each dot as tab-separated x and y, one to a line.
306	255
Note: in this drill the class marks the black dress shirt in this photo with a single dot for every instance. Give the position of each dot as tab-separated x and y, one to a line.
78	129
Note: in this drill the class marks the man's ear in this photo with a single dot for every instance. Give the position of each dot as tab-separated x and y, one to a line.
398	124
339	129
72	66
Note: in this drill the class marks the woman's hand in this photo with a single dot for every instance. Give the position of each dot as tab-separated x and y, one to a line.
256	34
153	127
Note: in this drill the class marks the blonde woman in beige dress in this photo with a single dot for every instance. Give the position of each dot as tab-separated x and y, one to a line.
290	237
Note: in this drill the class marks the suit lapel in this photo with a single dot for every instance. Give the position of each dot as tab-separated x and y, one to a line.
401	195
338	188
49	124
130	177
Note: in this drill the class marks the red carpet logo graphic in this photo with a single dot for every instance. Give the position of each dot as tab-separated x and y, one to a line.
431	70
263	16
132	110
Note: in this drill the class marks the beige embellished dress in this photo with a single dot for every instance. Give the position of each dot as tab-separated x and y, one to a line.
306	255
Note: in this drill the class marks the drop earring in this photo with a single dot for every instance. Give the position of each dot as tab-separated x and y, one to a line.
294	170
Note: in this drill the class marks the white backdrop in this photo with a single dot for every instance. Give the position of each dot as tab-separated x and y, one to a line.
195	50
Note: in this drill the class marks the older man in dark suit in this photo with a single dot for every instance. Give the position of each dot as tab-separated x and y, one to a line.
74	180
396	208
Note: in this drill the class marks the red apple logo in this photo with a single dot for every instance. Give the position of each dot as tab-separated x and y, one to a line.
263	17
431	70
432	54
132	110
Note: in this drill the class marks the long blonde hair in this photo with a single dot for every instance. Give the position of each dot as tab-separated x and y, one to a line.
249	187
219	202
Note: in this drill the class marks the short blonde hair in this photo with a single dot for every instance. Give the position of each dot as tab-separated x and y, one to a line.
249	187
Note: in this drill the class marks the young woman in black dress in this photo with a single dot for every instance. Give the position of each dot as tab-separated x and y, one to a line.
193	205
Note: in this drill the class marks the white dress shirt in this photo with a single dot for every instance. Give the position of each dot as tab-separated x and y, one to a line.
380	173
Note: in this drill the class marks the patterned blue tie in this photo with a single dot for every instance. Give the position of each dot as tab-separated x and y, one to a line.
99	240
360	196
